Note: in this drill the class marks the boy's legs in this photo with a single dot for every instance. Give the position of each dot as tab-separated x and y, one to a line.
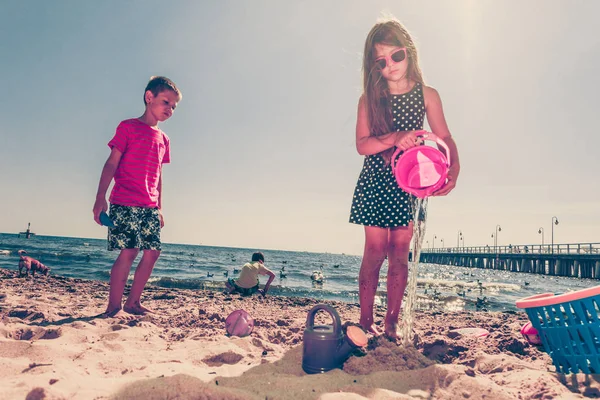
399	247
142	273
118	279
376	242
135	228
148	237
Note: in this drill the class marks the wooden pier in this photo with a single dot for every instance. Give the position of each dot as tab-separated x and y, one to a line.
579	260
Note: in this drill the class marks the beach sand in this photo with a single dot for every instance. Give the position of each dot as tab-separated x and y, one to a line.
55	345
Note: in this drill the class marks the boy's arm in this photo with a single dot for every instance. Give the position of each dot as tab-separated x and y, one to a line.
108	173
268	284
162	220
160	189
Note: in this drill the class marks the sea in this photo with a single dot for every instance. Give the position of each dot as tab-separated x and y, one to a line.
197	267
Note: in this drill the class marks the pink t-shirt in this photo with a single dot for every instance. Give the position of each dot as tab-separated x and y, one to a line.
144	150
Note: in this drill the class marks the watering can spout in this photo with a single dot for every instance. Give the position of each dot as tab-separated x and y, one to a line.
354	338
344	352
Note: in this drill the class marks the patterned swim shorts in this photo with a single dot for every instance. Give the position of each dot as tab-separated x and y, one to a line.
135	228
241	290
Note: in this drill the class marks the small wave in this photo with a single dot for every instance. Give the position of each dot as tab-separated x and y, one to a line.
102	274
468	284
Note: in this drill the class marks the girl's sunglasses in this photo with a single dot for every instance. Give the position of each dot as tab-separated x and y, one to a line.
396	57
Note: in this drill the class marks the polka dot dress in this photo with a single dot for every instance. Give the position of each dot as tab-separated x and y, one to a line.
378	201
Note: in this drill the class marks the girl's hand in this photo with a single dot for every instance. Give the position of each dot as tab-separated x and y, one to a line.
452	177
408	139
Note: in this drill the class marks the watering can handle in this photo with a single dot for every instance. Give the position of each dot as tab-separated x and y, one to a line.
424	135
337	322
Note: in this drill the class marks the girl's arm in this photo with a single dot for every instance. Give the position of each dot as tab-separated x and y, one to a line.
108	173
367	145
437	123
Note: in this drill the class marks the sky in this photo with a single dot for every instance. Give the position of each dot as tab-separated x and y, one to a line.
263	141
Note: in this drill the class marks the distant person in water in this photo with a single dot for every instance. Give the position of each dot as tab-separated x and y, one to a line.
138	151
390	116
247	283
28	264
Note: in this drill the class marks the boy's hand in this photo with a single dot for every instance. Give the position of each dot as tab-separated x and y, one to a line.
99	206
262	292
162	219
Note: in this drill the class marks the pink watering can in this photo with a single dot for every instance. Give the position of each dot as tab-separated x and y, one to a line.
422	170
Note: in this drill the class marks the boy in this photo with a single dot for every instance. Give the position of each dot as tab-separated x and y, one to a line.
138	150
247	283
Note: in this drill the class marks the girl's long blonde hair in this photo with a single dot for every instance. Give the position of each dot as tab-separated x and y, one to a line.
376	92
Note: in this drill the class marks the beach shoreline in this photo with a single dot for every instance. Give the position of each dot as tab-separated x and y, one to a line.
54	344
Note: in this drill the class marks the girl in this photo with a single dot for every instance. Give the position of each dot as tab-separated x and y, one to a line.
390	111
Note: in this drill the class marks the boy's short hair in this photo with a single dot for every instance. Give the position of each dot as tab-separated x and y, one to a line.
159	84
258	256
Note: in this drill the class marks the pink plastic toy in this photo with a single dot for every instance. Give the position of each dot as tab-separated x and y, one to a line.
239	323
531	334
422	170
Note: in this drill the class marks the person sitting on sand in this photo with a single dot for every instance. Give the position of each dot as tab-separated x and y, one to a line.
247	283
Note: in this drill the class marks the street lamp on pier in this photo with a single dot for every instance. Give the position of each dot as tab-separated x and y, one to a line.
462	237
554	222
498	229
541	230
458	237
442	239
434	237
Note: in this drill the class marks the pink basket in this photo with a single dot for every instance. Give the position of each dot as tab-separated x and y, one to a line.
422	170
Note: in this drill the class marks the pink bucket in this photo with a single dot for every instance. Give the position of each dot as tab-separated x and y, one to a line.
422	170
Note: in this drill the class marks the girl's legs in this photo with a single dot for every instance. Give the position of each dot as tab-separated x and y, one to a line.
398	249
118	279
376	243
142	273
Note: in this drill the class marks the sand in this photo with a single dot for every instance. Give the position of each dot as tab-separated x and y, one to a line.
54	344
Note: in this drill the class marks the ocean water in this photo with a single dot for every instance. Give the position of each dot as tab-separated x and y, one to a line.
439	287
